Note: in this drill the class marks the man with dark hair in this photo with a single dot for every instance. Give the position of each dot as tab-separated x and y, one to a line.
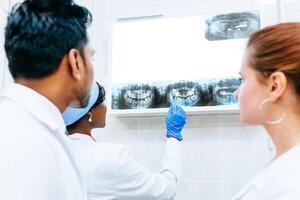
46	44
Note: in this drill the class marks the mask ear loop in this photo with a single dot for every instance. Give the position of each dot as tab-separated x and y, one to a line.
271	122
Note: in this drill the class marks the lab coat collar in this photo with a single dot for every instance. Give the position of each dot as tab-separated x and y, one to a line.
292	152
80	136
37	105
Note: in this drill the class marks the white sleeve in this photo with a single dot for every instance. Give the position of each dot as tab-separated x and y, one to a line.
134	181
172	161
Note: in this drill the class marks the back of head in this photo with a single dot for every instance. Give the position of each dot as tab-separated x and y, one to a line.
73	116
277	48
39	33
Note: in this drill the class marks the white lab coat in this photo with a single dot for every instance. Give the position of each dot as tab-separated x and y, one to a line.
279	181
35	159
111	173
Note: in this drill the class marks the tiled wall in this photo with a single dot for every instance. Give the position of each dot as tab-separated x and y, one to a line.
3	8
220	154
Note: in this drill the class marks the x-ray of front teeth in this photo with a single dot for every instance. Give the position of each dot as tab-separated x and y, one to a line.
161	100
224	89
206	92
185	93
232	26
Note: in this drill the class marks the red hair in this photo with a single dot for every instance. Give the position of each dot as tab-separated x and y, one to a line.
277	48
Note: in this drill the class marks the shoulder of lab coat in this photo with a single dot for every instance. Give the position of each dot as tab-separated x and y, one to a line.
112	172
279	181
35	163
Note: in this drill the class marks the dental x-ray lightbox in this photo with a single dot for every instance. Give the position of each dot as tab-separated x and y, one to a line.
191	61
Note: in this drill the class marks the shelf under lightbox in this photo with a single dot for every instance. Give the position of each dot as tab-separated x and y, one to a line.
204	110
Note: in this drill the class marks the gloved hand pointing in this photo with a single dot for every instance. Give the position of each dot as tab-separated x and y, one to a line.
175	121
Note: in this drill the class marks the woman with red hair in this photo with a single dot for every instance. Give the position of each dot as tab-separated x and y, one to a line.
270	96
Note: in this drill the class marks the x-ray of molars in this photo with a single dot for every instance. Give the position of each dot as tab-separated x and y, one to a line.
223	91
232	26
133	96
185	93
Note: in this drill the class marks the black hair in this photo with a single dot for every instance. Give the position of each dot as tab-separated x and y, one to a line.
39	33
101	96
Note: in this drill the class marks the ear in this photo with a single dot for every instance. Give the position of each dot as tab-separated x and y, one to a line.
277	84
76	63
89	114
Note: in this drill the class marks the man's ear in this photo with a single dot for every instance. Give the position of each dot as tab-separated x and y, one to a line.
76	63
277	84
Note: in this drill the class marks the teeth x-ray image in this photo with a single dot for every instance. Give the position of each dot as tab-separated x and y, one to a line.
116	100
161	99
224	89
232	26
184	93
206	93
138	96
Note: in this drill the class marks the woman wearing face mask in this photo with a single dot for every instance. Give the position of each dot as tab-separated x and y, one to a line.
270	96
108	169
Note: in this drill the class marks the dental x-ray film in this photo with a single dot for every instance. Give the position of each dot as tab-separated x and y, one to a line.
184	93
232	25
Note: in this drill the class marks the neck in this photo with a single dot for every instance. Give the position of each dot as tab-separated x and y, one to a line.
48	88
83	127
286	134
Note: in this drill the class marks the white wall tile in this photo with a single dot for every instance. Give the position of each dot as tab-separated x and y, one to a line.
269	12
199	190
201	148
290	10
7	78
155	3
230	120
124	9
14	2
243	152
152	142
231	188
154	7
4	5
86	3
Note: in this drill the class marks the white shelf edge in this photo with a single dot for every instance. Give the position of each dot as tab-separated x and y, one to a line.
204	110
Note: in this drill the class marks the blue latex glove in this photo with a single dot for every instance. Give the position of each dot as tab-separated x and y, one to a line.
175	121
